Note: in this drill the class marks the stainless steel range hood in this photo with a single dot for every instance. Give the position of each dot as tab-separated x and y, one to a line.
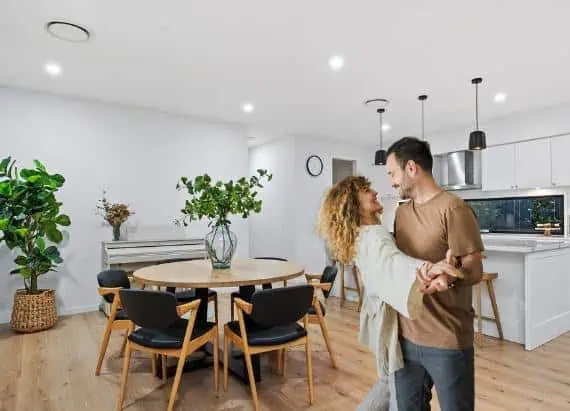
458	170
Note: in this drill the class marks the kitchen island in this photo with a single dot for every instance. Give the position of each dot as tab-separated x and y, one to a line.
533	288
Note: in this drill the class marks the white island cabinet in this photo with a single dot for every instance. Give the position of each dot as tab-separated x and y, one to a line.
533	288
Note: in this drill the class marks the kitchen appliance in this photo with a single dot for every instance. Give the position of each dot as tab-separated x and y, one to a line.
458	170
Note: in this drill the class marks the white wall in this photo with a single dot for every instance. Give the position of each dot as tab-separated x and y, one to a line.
271	230
137	155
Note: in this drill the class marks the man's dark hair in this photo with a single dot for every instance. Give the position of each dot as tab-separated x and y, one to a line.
412	148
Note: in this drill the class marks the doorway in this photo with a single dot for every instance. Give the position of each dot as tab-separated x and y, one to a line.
342	168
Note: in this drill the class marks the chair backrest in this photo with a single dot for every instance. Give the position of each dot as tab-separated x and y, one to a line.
271	258
281	306
329	275
113	279
150	309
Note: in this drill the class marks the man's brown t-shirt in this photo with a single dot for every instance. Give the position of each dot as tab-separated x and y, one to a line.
427	231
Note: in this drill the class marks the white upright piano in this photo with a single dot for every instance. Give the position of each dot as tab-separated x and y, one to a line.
130	255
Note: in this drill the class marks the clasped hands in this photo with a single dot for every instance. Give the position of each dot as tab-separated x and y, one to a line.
437	277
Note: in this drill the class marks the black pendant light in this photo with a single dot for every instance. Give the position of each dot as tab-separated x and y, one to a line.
380	155
477	138
379	104
423	98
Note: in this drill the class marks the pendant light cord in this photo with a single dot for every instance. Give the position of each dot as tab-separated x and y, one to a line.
423	137
477	106
380	114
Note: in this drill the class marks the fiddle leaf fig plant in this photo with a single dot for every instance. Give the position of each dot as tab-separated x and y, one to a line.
216	201
30	219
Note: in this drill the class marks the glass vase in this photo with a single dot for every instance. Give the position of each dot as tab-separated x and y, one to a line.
116	233
221	244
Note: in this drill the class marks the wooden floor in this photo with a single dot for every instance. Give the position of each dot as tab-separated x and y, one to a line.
54	370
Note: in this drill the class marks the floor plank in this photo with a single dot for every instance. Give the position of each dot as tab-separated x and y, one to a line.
54	370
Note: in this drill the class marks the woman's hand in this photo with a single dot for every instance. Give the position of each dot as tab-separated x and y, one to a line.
436	277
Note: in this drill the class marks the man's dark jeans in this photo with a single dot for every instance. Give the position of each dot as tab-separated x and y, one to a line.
452	372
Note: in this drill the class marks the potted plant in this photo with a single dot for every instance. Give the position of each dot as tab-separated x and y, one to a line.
115	214
29	220
216	201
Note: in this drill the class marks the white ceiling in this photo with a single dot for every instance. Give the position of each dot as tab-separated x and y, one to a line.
208	57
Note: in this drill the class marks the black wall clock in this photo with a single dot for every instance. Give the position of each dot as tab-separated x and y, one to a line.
314	165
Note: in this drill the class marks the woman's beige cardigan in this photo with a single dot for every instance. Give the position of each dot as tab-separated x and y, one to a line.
390	286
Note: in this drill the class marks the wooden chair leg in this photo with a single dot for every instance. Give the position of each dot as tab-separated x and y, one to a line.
479	314
164	360
251	379
493	299
226	356
284	362
176	382
216	309
124	376
216	360
124	346
104	344
153	364
279	358
310	371
325	331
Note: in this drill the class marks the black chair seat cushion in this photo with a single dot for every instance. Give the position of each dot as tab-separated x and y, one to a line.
121	315
188	296
172	337
270	336
312	310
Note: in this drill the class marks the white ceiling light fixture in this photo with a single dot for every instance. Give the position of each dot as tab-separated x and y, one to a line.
336	63
248	108
53	69
66	31
500	97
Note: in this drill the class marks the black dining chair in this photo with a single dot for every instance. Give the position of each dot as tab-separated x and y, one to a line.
265	286
323	282
269	323
162	331
110	283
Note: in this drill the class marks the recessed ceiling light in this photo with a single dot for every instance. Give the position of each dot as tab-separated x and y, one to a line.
336	62
67	31
500	98
53	69
386	127
248	108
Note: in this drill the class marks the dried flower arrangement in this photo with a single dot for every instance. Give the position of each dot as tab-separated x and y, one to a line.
115	214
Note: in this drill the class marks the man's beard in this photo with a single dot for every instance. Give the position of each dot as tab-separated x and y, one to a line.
403	192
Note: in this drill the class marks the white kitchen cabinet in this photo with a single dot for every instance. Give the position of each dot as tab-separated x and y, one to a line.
532	164
560	157
498	168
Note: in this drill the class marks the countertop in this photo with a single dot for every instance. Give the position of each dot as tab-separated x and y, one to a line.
523	244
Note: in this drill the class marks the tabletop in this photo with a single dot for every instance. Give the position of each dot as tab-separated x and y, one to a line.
200	274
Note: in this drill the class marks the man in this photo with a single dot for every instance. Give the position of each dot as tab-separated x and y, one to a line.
438	347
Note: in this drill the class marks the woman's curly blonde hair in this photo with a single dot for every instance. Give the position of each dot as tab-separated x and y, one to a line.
339	217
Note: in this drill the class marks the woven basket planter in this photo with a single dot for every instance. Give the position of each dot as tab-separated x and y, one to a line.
33	312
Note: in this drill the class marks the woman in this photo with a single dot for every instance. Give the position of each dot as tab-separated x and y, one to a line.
349	221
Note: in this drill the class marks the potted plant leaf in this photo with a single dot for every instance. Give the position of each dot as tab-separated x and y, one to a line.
216	201
29	221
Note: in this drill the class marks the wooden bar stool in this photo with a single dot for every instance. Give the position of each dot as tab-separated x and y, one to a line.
487	278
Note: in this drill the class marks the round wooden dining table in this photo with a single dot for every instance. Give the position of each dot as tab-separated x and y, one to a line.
199	275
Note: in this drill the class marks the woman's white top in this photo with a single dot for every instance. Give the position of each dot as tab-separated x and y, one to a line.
390	286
